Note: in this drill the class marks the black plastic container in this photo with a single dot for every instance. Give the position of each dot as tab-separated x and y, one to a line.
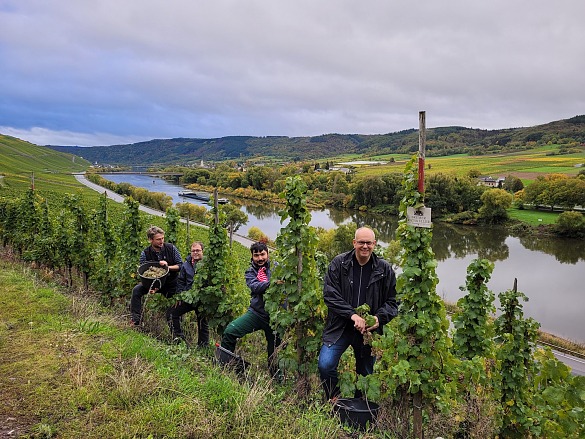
356	412
150	282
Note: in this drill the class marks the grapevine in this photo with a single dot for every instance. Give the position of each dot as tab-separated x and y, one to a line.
294	299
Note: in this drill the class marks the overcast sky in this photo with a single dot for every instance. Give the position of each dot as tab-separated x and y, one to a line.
87	72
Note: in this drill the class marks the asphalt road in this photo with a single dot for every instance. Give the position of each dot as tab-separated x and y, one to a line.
120	199
576	364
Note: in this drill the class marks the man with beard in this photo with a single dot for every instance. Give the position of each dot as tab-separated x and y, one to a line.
256	318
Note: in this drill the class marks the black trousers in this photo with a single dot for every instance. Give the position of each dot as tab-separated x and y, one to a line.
174	314
138	294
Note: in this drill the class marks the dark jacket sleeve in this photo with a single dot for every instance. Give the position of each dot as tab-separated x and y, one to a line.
177	260
332	290
182	279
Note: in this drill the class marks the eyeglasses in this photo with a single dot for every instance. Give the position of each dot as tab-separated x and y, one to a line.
196	251
368	243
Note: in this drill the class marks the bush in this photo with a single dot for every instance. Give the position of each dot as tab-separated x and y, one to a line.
466	217
571	224
256	234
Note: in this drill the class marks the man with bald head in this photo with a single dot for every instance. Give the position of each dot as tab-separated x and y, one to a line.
353	279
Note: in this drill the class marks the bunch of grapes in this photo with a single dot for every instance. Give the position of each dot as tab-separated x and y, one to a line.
364	312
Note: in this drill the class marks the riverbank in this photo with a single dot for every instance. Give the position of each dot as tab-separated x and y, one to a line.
563	344
521	222
120	199
542	265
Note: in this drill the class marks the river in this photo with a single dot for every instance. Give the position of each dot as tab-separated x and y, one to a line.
551	272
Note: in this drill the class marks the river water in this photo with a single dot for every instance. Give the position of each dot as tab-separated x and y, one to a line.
551	272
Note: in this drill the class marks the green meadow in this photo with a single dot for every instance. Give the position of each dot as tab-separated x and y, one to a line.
22	161
526	165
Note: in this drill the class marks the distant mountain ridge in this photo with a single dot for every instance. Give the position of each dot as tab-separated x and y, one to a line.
440	141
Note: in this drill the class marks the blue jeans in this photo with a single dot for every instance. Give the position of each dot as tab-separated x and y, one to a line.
331	354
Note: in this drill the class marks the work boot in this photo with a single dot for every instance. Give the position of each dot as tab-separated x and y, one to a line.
230	360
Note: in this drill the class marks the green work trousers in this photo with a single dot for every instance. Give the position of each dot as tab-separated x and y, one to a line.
245	325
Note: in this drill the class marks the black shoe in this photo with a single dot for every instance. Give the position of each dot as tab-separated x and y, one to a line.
232	361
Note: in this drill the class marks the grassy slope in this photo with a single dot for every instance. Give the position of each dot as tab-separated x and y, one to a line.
69	369
52	170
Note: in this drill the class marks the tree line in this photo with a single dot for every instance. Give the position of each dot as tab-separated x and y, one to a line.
456	199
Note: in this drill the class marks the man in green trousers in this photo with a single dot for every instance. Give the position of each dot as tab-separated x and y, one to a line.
256	318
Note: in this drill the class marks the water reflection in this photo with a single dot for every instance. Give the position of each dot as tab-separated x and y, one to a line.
256	209
459	241
564	251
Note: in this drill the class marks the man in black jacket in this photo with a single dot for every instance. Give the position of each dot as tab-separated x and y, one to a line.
167	255
184	283
353	279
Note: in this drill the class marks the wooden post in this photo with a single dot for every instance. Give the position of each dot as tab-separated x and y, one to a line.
422	143
215	206
417	418
188	230
417	399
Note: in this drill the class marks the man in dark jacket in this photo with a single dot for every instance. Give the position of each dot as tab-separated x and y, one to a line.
185	283
167	255
256	318
353	279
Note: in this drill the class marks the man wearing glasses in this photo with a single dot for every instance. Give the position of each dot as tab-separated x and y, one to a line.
176	311
353	279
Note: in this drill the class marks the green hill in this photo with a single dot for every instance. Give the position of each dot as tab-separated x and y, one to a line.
19	160
441	141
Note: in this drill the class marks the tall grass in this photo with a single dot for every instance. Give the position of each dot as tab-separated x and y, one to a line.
64	375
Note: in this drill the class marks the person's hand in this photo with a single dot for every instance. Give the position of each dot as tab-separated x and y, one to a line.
262	276
358	323
152	290
374	326
163	263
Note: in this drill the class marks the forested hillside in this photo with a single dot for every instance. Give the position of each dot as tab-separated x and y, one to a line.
440	141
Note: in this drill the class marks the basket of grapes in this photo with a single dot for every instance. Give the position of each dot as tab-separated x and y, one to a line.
151	272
